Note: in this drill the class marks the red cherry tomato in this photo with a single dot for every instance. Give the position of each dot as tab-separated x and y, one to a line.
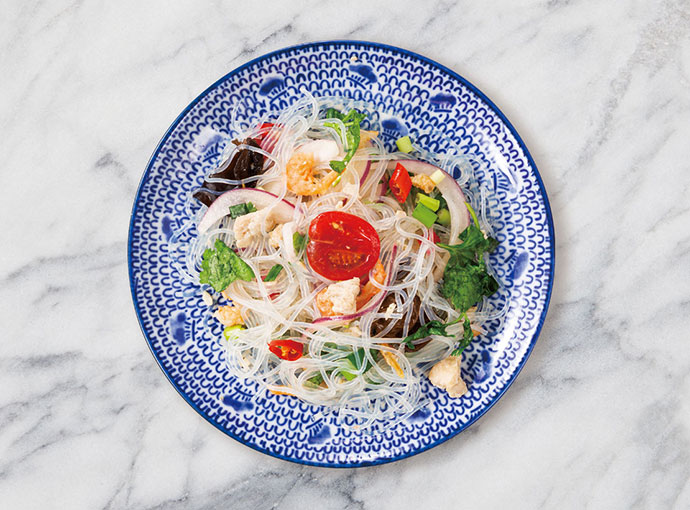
400	183
342	246
286	349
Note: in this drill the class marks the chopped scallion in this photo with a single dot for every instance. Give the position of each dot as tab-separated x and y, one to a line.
437	176
425	215
444	217
429	202
230	332
404	144
299	241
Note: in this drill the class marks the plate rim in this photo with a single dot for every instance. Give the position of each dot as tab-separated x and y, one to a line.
490	104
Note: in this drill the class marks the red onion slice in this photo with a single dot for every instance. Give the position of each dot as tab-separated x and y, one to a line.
365	174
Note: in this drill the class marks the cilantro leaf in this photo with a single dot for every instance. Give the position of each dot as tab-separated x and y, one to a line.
332	113
467	336
273	273
221	266
354	362
433	327
473	245
350	138
238	210
466	279
464	285
338	166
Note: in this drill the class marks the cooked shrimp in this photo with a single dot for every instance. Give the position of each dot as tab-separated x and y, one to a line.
301	178
229	315
369	290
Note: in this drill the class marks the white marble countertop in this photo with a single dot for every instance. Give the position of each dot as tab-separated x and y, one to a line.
600	416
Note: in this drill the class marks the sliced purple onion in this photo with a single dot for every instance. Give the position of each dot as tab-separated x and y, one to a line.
365	173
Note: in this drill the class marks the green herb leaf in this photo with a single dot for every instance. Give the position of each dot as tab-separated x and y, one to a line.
238	210
473	245
332	113
467	336
465	279
355	361
314	381
350	138
466	285
273	273
221	266
338	166
241	268
299	241
430	328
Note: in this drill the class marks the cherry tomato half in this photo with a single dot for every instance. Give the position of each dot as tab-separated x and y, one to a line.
342	246
286	349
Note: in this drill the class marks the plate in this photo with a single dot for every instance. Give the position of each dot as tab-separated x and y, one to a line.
414	96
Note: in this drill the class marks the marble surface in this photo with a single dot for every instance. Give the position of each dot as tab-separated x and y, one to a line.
599	417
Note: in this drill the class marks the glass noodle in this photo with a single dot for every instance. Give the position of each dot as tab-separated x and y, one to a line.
378	397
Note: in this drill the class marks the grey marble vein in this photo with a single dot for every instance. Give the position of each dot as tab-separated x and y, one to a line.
599	417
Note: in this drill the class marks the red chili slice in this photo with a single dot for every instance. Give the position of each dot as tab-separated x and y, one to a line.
400	183
267	137
286	349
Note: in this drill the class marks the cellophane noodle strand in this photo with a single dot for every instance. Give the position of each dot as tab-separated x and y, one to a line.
378	397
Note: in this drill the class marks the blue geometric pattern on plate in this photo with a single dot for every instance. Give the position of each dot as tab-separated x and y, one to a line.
413	95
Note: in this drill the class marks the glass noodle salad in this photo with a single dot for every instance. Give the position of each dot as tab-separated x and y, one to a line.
340	273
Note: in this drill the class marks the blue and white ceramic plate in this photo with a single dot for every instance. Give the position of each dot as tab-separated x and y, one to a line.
415	96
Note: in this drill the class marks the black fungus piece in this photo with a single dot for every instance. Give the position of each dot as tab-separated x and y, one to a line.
380	324
205	196
245	163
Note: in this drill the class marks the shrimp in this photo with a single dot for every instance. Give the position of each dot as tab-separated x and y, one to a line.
301	179
369	290
229	315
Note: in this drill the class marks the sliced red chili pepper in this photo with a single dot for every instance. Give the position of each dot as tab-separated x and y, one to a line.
267	136
400	183
286	349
